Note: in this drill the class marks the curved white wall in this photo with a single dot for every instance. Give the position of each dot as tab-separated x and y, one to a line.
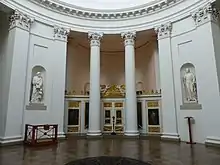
112	68
186	43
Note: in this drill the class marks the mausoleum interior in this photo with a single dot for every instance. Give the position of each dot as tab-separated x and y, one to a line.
121	81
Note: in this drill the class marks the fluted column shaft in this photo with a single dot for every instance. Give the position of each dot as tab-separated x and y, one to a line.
131	99
94	100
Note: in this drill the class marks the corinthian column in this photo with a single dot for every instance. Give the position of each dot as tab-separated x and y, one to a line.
94	99
130	101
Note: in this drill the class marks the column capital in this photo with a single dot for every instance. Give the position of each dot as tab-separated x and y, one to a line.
61	33
164	30
21	20
129	37
95	38
205	14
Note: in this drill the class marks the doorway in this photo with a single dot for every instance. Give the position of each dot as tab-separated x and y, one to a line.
113	117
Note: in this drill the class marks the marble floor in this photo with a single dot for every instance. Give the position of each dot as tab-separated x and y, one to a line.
155	151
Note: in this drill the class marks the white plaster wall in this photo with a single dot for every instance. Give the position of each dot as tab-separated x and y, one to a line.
49	53
195	45
112	67
3	67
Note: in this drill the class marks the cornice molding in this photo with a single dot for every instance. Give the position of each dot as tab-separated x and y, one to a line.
71	10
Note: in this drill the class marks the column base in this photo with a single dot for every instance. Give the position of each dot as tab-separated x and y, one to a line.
170	137
61	135
94	133
132	133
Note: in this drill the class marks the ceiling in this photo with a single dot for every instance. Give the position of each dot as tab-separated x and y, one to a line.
106	4
111	43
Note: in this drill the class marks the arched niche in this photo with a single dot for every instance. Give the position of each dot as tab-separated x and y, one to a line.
38	80
188	83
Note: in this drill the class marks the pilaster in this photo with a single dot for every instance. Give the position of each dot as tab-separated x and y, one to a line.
14	82
207	35
169	116
59	73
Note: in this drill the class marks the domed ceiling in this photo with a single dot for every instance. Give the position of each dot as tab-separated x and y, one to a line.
107	4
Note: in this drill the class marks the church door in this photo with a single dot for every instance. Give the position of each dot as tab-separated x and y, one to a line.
113	117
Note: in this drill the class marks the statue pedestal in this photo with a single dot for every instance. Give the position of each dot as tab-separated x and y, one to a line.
36	106
190	106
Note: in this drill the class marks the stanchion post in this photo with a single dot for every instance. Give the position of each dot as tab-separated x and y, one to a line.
189	119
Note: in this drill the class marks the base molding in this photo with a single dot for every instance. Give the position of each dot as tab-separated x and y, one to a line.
170	137
12	140
95	133
212	141
61	135
132	133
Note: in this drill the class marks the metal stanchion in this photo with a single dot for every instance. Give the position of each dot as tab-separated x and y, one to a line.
189	119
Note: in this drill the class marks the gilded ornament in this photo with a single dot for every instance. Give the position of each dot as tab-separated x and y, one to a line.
74	104
118	105
114	91
73	129
153	104
154	129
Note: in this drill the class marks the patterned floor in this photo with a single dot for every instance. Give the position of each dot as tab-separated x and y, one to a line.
154	151
107	160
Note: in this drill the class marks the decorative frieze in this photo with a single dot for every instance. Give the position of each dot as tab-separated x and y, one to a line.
75	11
60	33
21	20
164	30
129	37
207	13
95	38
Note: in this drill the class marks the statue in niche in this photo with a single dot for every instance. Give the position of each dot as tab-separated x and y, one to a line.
189	82
37	88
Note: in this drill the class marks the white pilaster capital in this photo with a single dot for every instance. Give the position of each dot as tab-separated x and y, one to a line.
164	30
21	20
129	37
61	33
95	38
205	14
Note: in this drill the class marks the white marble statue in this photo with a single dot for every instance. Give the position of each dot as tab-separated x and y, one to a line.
37	88
189	82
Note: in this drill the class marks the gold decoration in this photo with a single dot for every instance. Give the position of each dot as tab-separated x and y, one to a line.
118	105
73	129
151	92
153	104
107	104
154	129
114	91
74	104
119	128
107	128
